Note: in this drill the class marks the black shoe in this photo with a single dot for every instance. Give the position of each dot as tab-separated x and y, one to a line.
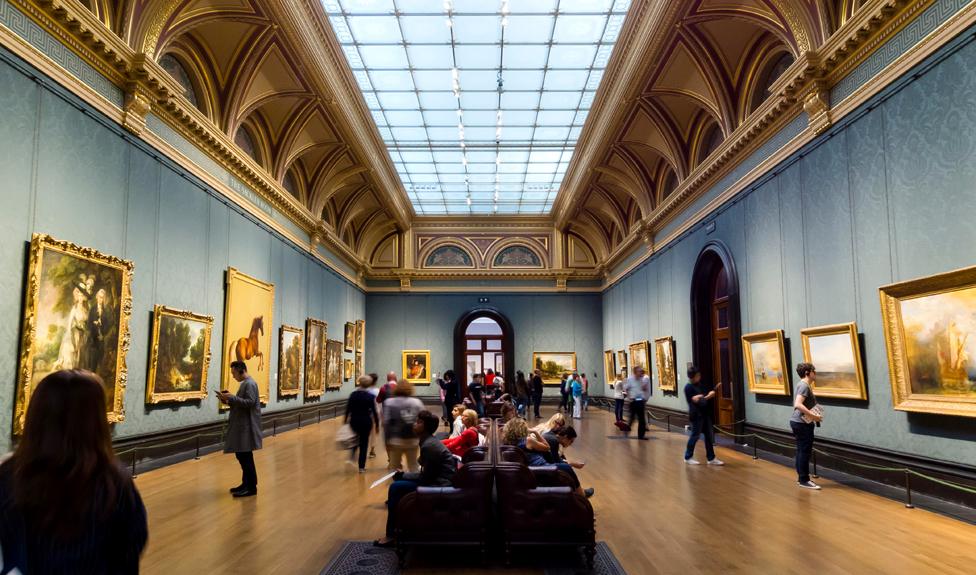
246	493
588	492
240	487
384	544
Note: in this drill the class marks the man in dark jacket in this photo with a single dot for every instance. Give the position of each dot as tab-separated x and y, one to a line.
536	392
243	427
699	397
452	394
437	469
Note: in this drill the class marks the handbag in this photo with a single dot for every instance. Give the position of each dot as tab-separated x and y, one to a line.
346	438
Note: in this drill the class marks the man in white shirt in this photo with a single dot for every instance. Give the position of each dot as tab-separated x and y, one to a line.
638	388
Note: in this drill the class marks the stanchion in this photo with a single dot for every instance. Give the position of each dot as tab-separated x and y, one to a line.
669	422
135	451
274	427
197	456
299	421
815	465
908	489
318	417
755	448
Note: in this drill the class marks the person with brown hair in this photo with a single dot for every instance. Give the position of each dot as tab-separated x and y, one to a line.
66	505
361	417
244	435
806	415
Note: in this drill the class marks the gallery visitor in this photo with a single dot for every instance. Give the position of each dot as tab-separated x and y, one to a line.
399	414
66	505
476	389
807	414
362	418
618	397
638	389
537	388
699	397
576	388
521	393
468	438
243	435
451	388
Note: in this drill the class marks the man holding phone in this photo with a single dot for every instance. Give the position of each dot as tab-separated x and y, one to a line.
700	416
243	427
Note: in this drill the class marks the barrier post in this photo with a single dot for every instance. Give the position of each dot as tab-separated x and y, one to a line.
135	450
197	456
815	465
299	421
274	427
669	422
318	416
755	448
908	490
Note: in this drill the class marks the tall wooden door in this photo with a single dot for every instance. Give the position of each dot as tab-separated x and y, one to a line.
722	348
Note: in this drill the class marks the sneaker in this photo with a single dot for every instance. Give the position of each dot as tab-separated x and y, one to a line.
588	492
716	461
362	470
372	454
692	461
808	485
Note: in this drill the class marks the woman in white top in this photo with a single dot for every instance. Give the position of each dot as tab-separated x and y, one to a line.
618	397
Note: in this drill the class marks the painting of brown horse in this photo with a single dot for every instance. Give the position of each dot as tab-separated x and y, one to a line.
247	347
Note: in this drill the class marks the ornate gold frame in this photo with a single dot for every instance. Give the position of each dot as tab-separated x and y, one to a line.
360	335
902	397
762	337
176	396
333	385
850	330
310	324
545	381
281	359
358	367
662	384
610	366
349	337
646	346
233	274
622	362
347	369
403	362
40	243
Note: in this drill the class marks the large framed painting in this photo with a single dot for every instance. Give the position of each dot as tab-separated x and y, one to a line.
249	308
930	331
291	358
765	360
553	364
333	364
347	369
316	331
664	360
361	335
836	353
179	356
349	336
622	362
416	365
609	366
639	354
76	316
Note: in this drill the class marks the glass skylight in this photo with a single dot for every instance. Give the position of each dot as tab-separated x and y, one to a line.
480	102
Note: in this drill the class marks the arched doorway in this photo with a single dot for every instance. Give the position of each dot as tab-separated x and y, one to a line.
716	331
483	339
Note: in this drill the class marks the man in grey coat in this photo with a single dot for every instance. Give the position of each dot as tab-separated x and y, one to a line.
243	427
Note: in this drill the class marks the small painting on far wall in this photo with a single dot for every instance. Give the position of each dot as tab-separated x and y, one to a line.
315	337
179	356
333	364
609	366
416	366
290	360
639	353
358	368
360	335
765	360
667	372
349	336
347	369
553	364
836	353
622	363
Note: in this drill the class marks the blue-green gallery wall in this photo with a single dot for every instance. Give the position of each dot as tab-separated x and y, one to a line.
887	196
66	172
541	322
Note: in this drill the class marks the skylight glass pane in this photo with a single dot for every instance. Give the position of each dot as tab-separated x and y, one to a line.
479	117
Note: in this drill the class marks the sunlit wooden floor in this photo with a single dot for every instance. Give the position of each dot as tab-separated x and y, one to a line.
657	514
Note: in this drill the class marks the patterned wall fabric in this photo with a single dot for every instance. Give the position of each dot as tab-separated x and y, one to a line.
448	257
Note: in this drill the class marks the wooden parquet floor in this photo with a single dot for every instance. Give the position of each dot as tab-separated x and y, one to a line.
657	514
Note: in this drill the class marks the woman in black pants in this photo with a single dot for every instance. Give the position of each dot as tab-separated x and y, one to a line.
361	416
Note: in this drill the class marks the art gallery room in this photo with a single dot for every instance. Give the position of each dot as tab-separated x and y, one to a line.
456	286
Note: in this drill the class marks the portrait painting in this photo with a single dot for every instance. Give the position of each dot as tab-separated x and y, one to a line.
416	366
333	364
609	366
349	336
361	335
291	359
836	353
664	360
347	369
930	332
179	356
639	354
358	368
316	331
622	362
765	361
76	316
248	321
553	364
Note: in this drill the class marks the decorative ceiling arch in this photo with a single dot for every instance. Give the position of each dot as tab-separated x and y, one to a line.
448	253
516	253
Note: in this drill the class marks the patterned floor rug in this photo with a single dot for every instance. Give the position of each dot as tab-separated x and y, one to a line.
361	558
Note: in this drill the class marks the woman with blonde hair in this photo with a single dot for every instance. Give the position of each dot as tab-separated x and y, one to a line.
554	423
399	414
515	431
469	437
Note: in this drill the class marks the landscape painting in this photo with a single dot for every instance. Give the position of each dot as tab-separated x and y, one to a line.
553	364
315	337
76	316
179	356
930	331
349	336
248	321
836	353
639	353
333	364
416	366
765	360
667	376
290	360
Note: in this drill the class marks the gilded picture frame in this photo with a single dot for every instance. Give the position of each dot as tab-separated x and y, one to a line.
416	365
347	369
666	363
248	317
51	309
764	354
610	366
835	351
931	342
349	337
361	335
553	364
622	362
165	368
316	332
358	367
291	360
640	355
333	364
